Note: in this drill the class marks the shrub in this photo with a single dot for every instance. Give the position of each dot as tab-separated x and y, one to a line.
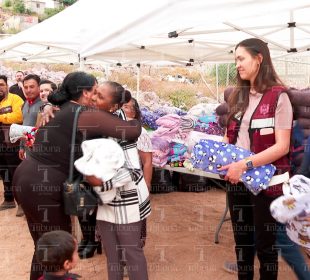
19	6
67	2
49	12
183	99
124	79
12	30
29	12
7	3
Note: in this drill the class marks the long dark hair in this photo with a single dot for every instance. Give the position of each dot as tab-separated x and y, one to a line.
53	85
137	109
119	94
266	78
72	87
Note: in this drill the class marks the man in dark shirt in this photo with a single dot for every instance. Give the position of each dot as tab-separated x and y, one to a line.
18	87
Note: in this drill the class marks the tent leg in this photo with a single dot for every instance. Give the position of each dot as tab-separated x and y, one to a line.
106	72
138	81
81	65
217	81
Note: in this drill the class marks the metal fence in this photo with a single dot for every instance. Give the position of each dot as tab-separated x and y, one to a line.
294	72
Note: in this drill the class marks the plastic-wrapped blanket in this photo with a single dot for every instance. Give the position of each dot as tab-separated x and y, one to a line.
195	136
165	110
18	131
101	158
293	209
210	155
210	128
160	151
188	123
149	118
177	152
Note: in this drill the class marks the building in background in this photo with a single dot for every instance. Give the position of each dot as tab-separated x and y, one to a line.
53	4
35	6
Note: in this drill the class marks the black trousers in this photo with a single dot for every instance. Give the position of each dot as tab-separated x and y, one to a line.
88	226
40	196
253	227
9	161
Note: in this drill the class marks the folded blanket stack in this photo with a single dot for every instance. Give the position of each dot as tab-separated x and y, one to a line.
160	151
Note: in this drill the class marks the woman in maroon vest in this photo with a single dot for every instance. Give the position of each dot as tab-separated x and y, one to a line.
260	120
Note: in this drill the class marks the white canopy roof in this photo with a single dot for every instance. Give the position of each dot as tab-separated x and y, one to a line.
136	31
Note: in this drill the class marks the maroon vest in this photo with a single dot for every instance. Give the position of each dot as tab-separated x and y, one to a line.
261	132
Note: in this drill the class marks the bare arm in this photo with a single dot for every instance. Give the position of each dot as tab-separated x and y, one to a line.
146	159
99	122
273	153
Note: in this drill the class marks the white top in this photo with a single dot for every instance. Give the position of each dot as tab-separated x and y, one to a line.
144	142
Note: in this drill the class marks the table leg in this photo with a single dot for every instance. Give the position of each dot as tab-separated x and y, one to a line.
224	218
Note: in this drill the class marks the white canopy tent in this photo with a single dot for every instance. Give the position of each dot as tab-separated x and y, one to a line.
60	39
138	31
286	30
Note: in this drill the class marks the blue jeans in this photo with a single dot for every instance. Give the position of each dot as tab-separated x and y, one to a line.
291	253
304	168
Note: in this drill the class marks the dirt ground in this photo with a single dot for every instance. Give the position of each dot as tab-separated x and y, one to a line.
180	243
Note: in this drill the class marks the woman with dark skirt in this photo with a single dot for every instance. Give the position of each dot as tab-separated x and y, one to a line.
41	176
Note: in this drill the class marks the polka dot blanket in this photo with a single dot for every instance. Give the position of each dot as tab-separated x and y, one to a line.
209	155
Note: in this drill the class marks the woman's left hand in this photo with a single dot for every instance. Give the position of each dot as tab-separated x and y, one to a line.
93	181
234	171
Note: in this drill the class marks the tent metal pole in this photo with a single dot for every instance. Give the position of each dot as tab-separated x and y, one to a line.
292	30
106	72
204	81
217	81
81	65
245	30
227	74
138	81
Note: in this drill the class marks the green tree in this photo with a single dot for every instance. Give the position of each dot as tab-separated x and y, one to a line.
183	98
29	12
7	3
19	6
67	2
49	12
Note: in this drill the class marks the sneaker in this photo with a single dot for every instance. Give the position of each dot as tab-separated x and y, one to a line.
20	211
7	205
230	267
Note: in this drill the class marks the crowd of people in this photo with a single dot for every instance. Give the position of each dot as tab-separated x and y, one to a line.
259	119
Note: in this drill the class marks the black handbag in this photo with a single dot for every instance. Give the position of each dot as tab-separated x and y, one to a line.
78	196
